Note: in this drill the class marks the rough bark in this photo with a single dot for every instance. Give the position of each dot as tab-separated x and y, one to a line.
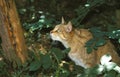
13	42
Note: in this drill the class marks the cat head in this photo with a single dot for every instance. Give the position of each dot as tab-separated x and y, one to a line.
62	32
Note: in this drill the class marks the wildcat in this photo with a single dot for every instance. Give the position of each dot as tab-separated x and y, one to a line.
76	40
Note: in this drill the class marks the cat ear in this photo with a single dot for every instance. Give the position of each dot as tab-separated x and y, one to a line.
62	20
69	27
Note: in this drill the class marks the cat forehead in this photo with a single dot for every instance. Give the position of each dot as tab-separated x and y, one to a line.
60	26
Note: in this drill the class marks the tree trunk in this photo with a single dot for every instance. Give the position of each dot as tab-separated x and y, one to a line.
13	42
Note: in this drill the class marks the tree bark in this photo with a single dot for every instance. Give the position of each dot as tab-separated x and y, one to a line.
13	42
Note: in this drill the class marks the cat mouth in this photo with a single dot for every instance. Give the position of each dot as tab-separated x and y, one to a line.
51	36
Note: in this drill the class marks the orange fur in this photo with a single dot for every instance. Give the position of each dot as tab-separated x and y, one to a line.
76	40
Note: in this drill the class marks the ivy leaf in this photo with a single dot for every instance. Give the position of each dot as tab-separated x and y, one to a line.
110	74
46	61
100	69
95	47
89	50
100	42
90	42
35	65
90	72
118	75
66	50
58	53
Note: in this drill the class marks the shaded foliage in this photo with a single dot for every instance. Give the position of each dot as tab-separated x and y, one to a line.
40	16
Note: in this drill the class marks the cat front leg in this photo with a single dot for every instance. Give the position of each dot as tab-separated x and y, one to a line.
74	57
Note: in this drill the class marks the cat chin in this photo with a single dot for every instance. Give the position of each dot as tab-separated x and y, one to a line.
55	38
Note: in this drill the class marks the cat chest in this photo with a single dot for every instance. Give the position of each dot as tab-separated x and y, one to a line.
74	57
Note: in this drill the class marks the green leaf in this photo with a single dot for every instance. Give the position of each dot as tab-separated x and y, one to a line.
90	42
100	42
35	65
95	47
58	53
100	69
2	64
66	50
46	61
118	75
89	50
91	72
110	74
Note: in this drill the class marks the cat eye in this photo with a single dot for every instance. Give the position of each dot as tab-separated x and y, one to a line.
58	30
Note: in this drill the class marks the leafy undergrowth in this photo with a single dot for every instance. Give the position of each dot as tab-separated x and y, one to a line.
54	64
46	61
51	64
